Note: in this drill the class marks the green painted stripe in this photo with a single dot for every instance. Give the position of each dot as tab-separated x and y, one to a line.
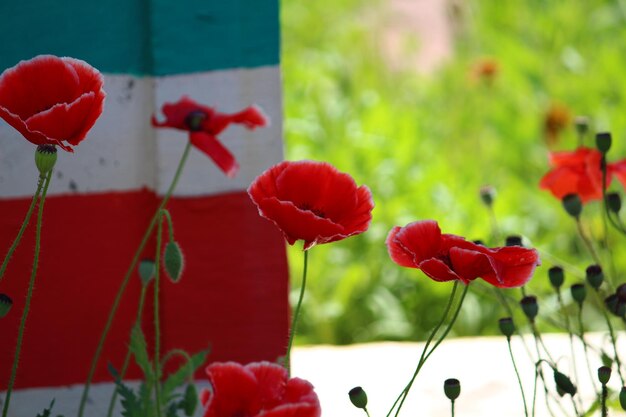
143	37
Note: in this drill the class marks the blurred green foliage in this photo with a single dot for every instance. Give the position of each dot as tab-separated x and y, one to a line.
425	144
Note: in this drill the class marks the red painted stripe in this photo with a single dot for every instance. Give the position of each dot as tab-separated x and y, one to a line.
233	293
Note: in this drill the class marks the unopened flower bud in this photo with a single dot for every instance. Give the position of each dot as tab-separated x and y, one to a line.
507	327
603	141
358	397
614	202
190	400
604	374
563	382
45	158
5	305
622	398
579	293
513	240
557	277
582	125
530	307
595	276
173	261
572	205
452	388
487	195
146	270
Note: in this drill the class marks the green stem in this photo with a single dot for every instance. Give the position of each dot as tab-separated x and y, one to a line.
29	214
170	223
296	313
178	352
605	393
29	296
587	242
581	336
519	380
452	407
613	342
157	315
366	412
142	299
425	355
126	279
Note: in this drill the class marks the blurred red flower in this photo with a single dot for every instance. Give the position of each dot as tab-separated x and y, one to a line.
205	123
52	100
312	201
445	257
257	389
579	172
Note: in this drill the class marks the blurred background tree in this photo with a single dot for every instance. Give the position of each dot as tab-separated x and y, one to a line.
426	142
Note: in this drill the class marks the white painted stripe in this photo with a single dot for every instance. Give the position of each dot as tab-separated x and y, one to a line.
123	152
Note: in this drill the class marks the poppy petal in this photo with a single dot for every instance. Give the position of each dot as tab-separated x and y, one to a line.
234	390
176	113
398	253
438	270
271	379
212	147
513	266
422	239
294	410
470	264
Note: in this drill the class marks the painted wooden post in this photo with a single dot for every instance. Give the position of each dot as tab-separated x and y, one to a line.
233	294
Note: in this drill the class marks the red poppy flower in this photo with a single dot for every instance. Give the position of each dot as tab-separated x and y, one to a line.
205	123
52	100
258	389
312	201
579	172
445	257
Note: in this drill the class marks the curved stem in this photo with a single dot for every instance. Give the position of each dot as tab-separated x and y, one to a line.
29	214
142	299
169	355
170	223
519	380
29	296
587	242
131	268
296	313
157	315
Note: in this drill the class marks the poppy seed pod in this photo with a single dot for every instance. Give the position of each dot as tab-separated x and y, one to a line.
358	397
564	383
572	205
5	305
190	400
622	398
530	307
614	202
45	158
579	293
507	327
556	276
452	388
604	374
582	125
487	195
173	261
615	305
146	270
595	276
513	240
621	292
603	141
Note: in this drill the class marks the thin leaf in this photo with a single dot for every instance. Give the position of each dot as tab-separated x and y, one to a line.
179	377
139	349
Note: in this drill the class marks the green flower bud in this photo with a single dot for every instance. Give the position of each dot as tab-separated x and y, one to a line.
564	383
5	305
582	125
146	270
603	141
513	240
452	388
190	400
530	307
557	276
487	195
507	327
604	374
173	261
614	202
595	276
45	158
358	397
579	293
572	205
622	398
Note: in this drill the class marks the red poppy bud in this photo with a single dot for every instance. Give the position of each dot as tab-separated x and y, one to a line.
173	261
5	305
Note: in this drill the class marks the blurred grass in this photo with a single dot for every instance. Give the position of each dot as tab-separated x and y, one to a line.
426	144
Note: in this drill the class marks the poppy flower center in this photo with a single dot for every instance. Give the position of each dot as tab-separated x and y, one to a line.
195	119
309	207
